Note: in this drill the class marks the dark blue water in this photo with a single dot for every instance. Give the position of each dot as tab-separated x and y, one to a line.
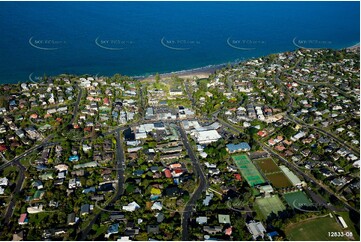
65	35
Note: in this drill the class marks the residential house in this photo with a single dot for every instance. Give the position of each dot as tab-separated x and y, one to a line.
85	209
23	219
131	207
256	229
201	220
71	219
212	229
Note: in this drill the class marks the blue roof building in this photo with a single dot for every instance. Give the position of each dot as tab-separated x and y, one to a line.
243	146
74	158
90	189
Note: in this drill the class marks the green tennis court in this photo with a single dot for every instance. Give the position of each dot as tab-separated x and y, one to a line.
248	170
297	199
268	205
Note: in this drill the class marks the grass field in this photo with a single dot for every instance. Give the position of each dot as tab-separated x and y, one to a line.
248	170
8	170
314	230
297	199
273	173
350	224
267	165
279	180
268	205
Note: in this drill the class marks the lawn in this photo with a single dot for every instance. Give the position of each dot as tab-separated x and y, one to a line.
297	199
350	224
279	180
267	165
314	230
268	205
8	170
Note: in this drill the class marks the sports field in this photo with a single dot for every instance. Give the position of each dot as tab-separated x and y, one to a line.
279	180
267	165
268	205
314	230
248	170
297	199
273	173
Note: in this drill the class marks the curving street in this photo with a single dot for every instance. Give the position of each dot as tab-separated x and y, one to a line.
203	184
120	167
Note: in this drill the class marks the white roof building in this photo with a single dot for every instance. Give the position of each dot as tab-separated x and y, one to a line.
256	229
342	221
298	136
207	136
190	124
131	207
140	135
157	206
35	209
4	181
201	220
291	176
61	167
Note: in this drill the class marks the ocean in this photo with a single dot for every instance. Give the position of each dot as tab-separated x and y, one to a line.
143	38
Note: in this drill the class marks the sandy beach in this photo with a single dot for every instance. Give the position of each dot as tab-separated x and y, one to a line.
356	46
203	72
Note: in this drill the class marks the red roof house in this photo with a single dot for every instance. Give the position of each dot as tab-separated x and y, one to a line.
238	177
106	101
3	148
228	231
23	219
262	133
167	173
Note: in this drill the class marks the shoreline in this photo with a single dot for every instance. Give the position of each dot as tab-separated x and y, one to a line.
206	71
355	46
199	72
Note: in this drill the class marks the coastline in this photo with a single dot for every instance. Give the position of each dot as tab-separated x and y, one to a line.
206	71
355	46
200	72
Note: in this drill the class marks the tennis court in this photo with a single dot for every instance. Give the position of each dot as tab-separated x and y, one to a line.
248	170
268	205
297	199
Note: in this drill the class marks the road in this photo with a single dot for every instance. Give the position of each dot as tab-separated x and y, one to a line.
203	184
19	157
21	177
75	112
305	176
120	167
342	142
231	127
